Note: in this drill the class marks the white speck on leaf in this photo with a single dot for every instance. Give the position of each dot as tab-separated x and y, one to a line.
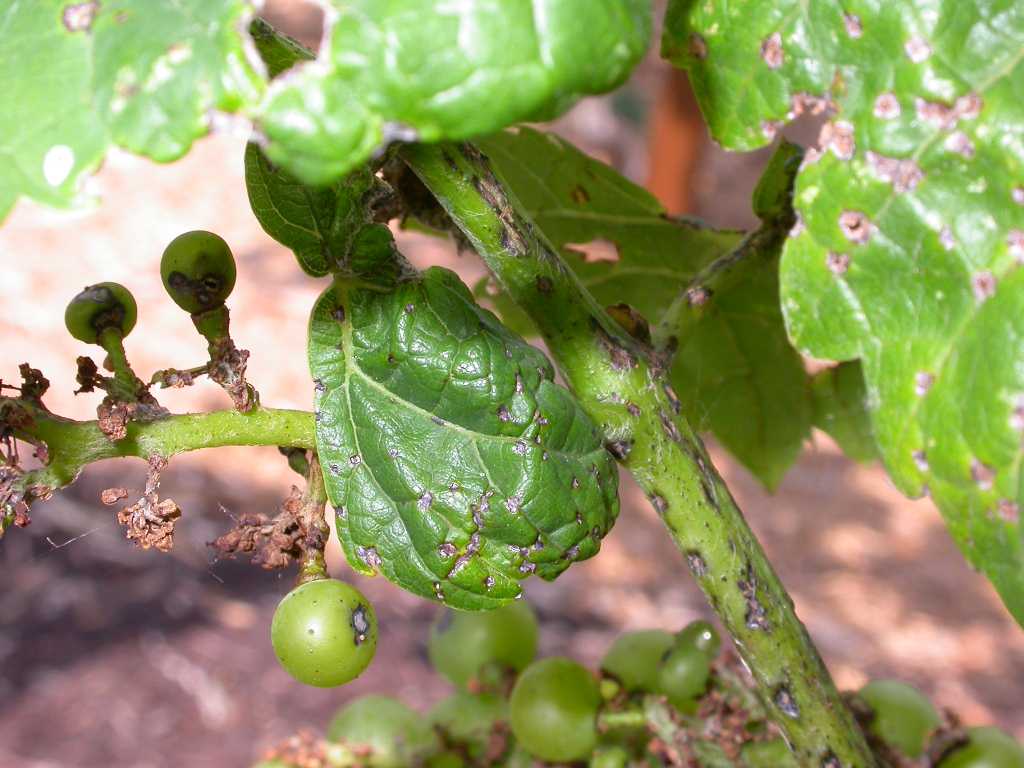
853	26
1018	195
1015	244
960	143
920	460
946	238
57	164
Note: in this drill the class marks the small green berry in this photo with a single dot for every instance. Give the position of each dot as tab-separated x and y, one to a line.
383	732
902	716
99	307
324	633
634	657
463	644
198	271
702	636
683	677
986	748
554	709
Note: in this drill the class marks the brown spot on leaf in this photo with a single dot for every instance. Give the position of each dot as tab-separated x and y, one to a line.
917	49
544	284
579	195
111	496
1008	511
960	143
698	47
982	474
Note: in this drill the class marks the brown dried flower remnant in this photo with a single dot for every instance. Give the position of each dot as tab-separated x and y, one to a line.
273	543
149	522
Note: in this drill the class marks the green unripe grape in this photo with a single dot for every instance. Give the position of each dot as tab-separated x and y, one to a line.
611	756
634	658
903	717
986	748
99	307
683	677
198	271
463	644
324	633
469	719
553	710
767	754
383	731
702	636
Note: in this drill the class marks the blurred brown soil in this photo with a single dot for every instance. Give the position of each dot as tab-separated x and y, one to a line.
110	656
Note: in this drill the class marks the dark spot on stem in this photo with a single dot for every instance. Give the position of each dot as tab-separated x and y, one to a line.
619	448
786	703
697	564
622	359
755	617
339	314
671	430
659	503
544	284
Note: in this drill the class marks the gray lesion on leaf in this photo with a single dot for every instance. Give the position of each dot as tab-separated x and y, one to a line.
920	460
698	46
945	116
854	28
1008	511
78	17
923	381
982	474
903	174
837	263
887	106
917	49
959	143
837	137
983	284
771	51
855	226
370	557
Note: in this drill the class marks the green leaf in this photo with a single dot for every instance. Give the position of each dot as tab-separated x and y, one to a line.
456	465
912	226
403	69
841	410
735	371
278	51
321	225
82	76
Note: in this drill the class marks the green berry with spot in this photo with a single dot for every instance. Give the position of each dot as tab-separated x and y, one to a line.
324	633
683	677
901	716
198	271
702	636
767	754
98	308
634	658
985	748
383	732
553	710
463	645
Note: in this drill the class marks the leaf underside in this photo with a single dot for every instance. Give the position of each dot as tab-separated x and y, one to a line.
456	465
735	371
84	76
908	252
394	69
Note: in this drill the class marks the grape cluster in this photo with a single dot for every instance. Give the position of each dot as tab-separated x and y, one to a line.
511	709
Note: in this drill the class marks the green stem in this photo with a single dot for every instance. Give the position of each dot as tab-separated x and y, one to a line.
71	445
626	391
125	379
627	719
314	499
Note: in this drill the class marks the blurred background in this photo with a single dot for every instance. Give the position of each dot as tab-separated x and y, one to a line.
110	656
